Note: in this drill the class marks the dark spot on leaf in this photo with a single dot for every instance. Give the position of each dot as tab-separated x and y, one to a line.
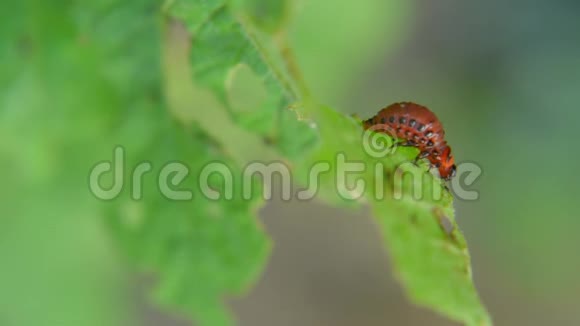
268	140
446	225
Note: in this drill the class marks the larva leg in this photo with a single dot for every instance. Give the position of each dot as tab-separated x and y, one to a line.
406	143
421	156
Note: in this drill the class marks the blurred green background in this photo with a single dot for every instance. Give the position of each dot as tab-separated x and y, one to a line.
504	77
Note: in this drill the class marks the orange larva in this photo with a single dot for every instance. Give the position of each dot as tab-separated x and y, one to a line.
418	127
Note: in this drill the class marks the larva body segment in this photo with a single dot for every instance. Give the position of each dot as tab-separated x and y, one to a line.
418	127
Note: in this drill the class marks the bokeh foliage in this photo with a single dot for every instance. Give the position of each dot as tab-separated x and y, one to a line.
80	78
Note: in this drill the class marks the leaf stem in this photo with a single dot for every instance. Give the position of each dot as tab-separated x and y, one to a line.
292	66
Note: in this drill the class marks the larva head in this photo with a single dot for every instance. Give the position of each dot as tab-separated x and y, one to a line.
447	168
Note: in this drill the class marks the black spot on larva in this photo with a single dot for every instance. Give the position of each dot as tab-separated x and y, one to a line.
412	123
421	127
429	143
383	120
437	165
428	134
392	119
402	120
435	153
407	133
